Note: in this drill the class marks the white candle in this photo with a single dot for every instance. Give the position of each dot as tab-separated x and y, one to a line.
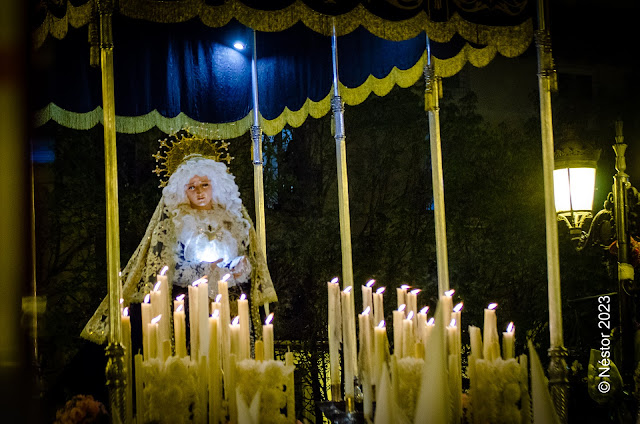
367	295
125	321
165	305
398	317
408	339
421	324
412	302
349	345
491	345
267	338
364	326
225	342
180	331
451	338
203	316
378	305
145	312
245	340
457	315
194	333
447	304
215	392
335	336
178	301
153	337
508	342
380	345
234	331
401	294
427	334
215	305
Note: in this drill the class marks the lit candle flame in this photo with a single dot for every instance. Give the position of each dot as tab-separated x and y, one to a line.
492	306
218	298
410	316
381	324
366	310
180	297
157	286
449	292
180	308
370	283
236	321
380	290
215	313
243	296
402	307
156	319
334	280
200	281
405	287
510	327
431	321
415	291
424	310
125	312
458	307
348	289
269	319
164	270
452	323
226	277
147	298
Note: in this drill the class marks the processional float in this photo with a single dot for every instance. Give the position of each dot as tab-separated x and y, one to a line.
105	8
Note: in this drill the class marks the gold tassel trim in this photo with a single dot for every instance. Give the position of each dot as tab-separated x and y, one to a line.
508	40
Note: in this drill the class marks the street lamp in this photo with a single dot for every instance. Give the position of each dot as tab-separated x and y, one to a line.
574	178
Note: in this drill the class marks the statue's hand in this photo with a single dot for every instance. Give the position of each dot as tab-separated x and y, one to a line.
240	267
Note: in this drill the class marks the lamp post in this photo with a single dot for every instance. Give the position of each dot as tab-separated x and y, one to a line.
574	181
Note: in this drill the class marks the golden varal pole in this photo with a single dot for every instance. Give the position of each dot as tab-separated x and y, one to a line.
547	82
341	159
432	94
115	371
256	154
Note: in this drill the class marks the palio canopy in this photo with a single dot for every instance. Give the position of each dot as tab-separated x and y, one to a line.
175	64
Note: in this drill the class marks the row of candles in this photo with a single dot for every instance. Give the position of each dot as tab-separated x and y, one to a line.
411	333
216	341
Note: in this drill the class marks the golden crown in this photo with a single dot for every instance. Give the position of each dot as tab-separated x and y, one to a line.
177	146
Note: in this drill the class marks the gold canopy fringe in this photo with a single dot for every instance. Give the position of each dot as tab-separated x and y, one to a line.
477	57
508	40
351	96
58	27
140	124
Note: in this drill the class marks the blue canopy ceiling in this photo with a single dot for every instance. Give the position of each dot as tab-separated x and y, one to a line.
187	72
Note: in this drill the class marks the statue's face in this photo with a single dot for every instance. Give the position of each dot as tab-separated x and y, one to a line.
199	192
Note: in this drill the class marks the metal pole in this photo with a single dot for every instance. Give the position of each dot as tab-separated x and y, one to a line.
258	166
558	372
116	368
432	95
625	269
341	158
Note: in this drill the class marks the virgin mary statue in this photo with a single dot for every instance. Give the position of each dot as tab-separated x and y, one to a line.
199	228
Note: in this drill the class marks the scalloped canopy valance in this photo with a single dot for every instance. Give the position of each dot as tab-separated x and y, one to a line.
174	64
